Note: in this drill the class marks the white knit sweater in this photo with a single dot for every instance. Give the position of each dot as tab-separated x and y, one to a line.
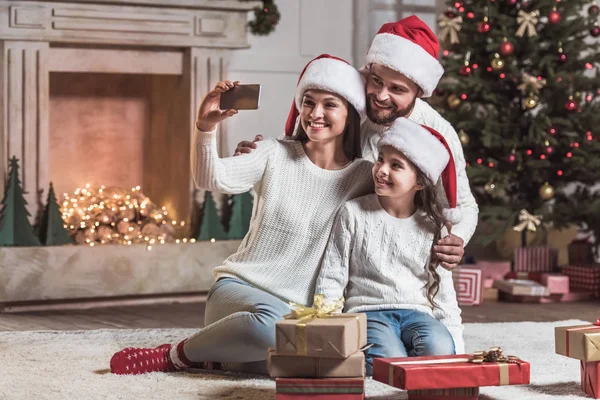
424	114
380	262
294	207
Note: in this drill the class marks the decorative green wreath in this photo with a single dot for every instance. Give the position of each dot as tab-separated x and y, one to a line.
266	18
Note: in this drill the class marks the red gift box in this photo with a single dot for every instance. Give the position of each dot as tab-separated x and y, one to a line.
581	252
581	274
531	276
444	394
570	297
535	259
445	372
491	270
590	378
556	283
468	284
320	389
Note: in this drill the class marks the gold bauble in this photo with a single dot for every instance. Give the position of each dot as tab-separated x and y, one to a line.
453	101
490	188
464	137
530	102
497	62
546	191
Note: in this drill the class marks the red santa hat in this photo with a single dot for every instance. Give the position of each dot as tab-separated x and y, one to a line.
411	48
427	149
331	74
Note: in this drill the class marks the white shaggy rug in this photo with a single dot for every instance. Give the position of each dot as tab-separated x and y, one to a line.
73	365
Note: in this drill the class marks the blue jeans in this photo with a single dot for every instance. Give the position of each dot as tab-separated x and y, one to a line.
239	327
405	333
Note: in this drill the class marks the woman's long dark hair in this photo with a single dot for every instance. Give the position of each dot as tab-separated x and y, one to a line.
428	200
352	145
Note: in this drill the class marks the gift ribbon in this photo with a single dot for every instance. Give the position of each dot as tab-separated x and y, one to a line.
494	355
450	27
582	328
527	23
305	315
531	83
527	221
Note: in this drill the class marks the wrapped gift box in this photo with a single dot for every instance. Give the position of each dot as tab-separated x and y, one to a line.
530	276
581	252
338	336
570	297
582	274
590	379
444	394
592	288
491	270
320	389
287	366
468	285
490	294
556	283
521	287
535	259
581	342
446	372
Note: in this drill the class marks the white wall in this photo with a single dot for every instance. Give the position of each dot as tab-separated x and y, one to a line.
307	28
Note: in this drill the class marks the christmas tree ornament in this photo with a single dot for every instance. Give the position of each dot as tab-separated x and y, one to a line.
530	102
463	137
465	69
530	83
546	191
511	2
484	26
489	188
497	62
453	101
554	16
595	31
527	22
571	104
562	57
449	26
593	11
506	48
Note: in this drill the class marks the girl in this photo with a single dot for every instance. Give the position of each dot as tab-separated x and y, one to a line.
299	183
381	249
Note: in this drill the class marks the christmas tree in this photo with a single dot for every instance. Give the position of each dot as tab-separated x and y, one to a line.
210	227
240	215
52	230
521	89
15	229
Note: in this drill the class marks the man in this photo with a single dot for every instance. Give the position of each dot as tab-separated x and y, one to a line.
402	67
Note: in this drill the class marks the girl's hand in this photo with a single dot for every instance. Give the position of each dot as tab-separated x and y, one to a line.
209	112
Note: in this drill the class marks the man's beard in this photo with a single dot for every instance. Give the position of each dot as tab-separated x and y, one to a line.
394	111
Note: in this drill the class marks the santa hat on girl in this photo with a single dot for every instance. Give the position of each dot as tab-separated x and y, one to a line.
332	74
428	150
411	48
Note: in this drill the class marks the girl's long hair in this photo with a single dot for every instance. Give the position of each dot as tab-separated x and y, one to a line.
351	143
428	200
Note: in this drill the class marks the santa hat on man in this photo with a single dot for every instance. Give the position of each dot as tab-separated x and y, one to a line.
427	149
411	48
331	74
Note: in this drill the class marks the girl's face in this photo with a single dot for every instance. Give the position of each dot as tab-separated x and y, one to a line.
323	115
394	175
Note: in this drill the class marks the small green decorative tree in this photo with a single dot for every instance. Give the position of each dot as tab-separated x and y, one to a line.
52	231
210	227
240	215
15	229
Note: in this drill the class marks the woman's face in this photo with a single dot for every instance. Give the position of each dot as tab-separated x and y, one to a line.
323	115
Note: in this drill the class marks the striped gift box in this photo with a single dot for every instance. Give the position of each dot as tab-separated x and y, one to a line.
444	394
468	283
535	259
320	389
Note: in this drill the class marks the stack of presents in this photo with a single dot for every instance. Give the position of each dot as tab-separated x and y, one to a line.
533	276
319	356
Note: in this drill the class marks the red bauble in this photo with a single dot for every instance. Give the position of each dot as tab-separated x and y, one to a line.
552	131
562	57
554	17
450	14
511	2
571	105
465	70
484	27
595	31
506	48
593	11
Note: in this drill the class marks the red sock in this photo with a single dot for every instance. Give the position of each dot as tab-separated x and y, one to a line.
140	360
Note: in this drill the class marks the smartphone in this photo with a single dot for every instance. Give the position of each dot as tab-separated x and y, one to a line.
241	97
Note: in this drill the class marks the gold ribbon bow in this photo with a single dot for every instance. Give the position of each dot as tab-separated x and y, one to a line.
449	27
494	354
528	221
531	84
527	23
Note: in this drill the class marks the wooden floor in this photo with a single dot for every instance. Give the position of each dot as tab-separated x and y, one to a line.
191	315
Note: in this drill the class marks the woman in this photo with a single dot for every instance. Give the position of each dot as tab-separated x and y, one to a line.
299	183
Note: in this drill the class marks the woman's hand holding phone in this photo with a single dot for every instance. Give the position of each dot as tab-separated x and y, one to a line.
209	112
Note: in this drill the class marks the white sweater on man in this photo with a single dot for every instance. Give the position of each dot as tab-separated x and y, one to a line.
379	262
424	114
295	204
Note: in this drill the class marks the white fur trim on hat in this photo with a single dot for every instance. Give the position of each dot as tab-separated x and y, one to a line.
333	76
408	58
418	145
453	215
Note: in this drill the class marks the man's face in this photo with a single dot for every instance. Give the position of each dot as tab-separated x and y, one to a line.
390	95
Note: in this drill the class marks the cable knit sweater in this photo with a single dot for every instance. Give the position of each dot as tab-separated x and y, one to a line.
380	262
424	114
294	207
